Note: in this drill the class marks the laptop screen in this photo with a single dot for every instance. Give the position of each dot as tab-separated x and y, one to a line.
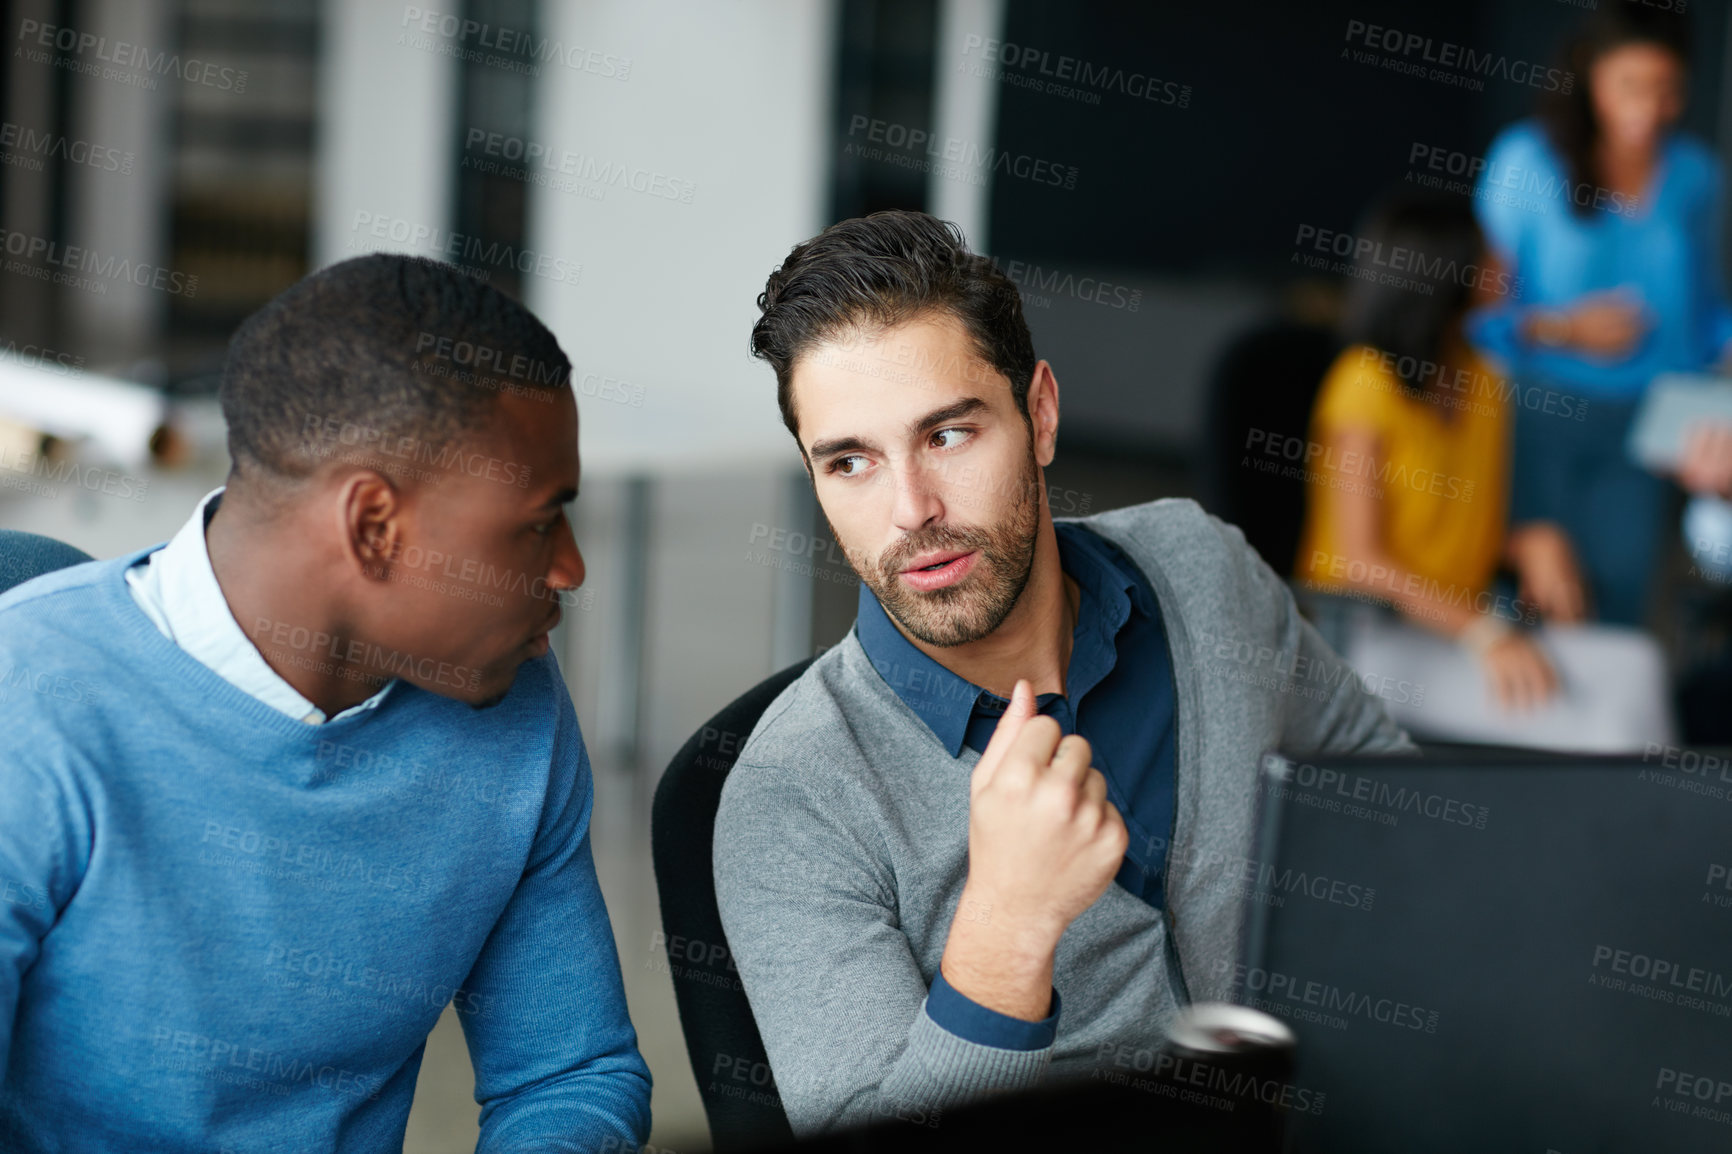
1510	951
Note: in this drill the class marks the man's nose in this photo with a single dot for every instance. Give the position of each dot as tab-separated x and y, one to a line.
568	569
917	500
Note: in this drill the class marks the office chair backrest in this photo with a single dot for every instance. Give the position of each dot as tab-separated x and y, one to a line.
1261	395
722	1039
27	555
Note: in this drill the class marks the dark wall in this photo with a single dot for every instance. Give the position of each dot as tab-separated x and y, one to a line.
1277	128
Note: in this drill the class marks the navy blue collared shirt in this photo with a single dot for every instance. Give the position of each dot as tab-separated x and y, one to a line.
1118	694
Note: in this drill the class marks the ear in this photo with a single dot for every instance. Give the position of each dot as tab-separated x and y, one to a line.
373	516
1043	413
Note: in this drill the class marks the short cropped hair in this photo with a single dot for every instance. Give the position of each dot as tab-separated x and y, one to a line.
396	346
877	271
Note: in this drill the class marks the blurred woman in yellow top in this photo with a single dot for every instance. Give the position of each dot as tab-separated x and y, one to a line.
1432	457
1407	471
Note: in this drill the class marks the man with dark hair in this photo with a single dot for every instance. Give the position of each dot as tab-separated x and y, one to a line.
278	792
1030	766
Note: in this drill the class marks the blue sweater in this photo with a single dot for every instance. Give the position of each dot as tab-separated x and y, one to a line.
1666	248
222	928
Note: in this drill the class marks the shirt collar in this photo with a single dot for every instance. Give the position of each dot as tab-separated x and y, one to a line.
1110	586
178	589
937	696
1104	604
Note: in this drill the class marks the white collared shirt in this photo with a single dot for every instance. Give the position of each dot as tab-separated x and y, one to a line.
177	589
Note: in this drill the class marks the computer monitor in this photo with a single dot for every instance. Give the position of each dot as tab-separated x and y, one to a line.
1499	952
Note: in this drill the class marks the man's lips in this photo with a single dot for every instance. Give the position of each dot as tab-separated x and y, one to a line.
551	626
936	570
928	560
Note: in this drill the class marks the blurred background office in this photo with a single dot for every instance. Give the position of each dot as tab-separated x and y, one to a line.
1167	184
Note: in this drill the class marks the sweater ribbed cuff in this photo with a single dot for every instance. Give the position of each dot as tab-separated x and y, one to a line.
940	1069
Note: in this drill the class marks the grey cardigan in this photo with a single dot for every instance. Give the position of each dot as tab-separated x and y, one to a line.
841	847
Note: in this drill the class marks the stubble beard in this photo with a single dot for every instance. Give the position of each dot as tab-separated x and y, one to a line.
978	604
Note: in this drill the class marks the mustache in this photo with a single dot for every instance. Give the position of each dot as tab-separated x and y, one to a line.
896	558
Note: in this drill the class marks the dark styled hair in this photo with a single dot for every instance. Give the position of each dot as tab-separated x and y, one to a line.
1391	316
1568	116
878	271
398	346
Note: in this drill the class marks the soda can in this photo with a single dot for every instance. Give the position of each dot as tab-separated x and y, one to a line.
1241	1056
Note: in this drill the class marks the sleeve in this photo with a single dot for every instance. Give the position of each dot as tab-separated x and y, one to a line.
1357	392
1503	219
556	1061
1349	718
44	849
957	1013
839	998
1710	295
1495	329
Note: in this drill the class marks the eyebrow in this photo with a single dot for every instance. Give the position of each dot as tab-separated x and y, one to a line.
967	407
563	497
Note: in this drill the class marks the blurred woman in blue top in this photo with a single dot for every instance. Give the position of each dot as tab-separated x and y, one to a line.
1611	220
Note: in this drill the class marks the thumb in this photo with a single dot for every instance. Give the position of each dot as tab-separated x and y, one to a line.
1020	709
